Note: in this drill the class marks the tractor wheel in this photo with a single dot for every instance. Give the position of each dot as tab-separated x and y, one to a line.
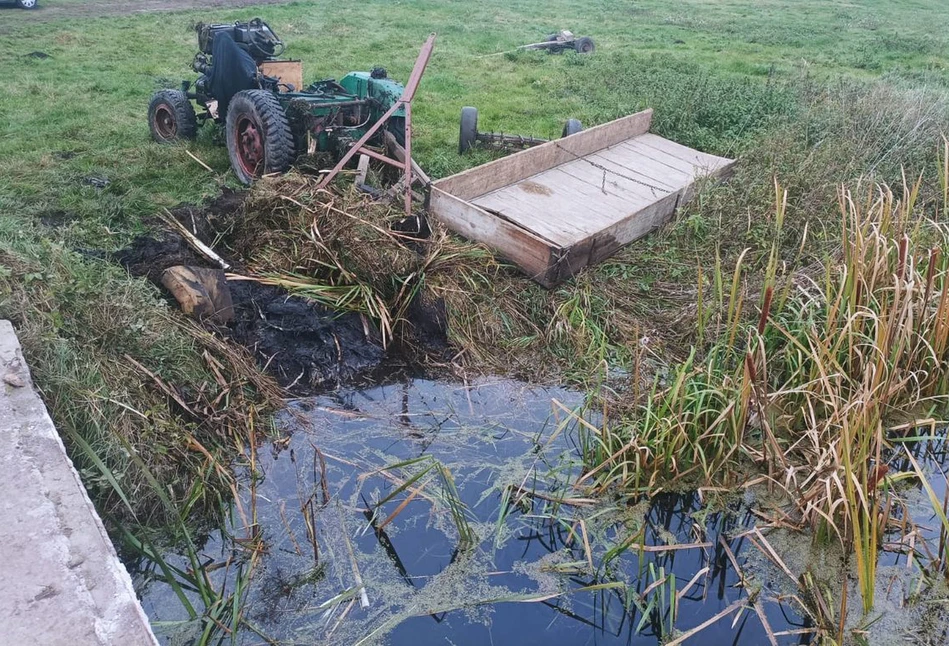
572	127
171	117
584	45
468	133
27	4
259	140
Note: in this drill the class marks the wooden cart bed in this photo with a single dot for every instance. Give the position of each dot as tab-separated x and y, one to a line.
573	202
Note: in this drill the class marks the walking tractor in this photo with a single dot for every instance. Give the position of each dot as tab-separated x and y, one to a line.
270	117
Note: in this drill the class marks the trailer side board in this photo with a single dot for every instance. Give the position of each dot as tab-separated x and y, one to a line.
521	165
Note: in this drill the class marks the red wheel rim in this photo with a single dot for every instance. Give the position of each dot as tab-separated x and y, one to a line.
165	122
250	146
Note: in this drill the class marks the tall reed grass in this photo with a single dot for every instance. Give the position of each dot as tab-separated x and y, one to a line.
806	387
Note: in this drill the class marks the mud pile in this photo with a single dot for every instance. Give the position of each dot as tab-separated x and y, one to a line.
305	346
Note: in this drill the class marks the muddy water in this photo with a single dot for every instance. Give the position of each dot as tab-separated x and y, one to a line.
535	571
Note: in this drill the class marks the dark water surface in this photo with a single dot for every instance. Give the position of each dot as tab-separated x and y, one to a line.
527	577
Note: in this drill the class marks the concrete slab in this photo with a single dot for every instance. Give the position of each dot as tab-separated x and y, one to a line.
63	583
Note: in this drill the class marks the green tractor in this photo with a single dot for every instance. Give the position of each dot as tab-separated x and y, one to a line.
269	117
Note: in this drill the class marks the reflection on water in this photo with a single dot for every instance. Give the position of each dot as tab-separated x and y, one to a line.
546	566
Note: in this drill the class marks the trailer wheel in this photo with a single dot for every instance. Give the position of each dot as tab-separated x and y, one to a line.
171	117
572	127
584	45
396	126
468	133
259	140
27	4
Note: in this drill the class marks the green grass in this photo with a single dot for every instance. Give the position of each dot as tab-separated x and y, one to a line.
90	97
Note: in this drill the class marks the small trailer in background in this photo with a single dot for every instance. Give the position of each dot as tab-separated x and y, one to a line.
569	203
564	41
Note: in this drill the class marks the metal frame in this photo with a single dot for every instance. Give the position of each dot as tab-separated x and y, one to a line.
501	139
359	148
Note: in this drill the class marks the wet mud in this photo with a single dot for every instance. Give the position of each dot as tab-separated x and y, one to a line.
304	345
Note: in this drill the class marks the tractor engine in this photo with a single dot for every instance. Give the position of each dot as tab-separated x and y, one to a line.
236	51
255	37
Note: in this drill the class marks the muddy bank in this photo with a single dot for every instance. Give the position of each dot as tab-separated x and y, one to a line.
305	346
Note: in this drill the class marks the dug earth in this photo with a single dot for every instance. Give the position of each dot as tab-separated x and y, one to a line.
305	346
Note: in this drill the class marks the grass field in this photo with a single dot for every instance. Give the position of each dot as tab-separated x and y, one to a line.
807	93
88	99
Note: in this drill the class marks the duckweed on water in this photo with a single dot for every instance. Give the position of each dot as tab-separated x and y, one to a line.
561	563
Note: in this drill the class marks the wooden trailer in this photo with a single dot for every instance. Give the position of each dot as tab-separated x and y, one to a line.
573	202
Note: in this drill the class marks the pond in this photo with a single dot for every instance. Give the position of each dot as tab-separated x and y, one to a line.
423	512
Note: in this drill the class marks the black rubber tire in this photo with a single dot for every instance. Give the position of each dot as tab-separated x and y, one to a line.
262	109
171	117
27	4
551	38
468	133
572	127
584	45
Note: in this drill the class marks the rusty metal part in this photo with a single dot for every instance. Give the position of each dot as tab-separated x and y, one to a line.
165	122
501	139
405	101
250	145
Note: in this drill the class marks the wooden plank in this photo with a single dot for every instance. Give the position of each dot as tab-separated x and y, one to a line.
528	250
702	163
655	182
521	165
605	176
527	214
561	207
636	155
659	158
634	164
397	151
607	242
582	203
288	72
362	169
613	199
568	262
612	239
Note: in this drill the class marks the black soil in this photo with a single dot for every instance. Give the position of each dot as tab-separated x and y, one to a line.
304	345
